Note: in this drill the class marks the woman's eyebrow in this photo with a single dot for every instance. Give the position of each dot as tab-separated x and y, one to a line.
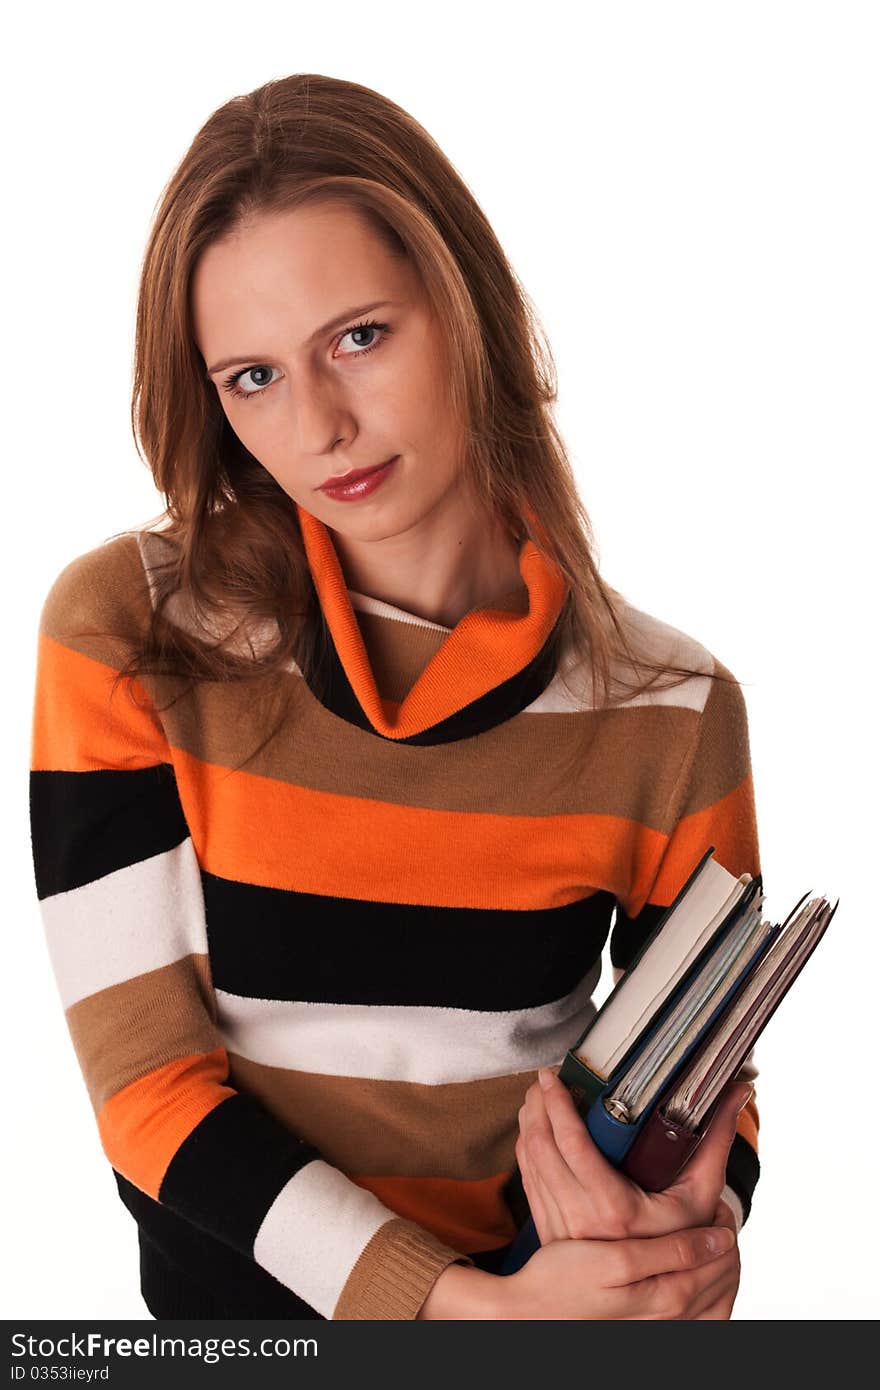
336	322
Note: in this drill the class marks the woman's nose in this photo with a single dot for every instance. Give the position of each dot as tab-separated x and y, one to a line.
321	416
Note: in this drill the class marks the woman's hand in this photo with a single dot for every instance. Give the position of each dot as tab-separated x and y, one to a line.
665	1277
728	1288
575	1193
671	1277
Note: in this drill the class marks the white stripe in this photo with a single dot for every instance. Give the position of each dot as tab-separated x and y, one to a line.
729	1196
570	689
366	604
132	920
256	636
431	1046
313	1234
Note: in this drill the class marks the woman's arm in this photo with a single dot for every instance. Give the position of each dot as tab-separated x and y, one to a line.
683	1275
120	891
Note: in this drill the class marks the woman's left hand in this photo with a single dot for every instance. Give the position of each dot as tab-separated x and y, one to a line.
722	1308
574	1192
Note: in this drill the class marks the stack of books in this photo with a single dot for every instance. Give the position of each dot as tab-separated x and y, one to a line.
648	1073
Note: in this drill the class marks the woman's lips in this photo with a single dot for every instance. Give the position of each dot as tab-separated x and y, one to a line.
361	486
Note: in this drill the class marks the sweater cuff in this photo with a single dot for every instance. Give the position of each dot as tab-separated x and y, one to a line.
729	1196
743	1171
396	1271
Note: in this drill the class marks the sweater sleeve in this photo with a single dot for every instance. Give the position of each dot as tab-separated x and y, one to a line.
121	900
712	803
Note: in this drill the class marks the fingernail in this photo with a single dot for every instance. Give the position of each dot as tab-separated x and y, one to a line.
719	1239
545	1078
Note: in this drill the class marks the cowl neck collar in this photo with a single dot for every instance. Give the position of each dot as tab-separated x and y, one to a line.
491	665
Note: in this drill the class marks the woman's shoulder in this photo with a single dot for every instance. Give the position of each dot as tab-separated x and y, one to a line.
638	644
659	640
103	590
115	587
711	689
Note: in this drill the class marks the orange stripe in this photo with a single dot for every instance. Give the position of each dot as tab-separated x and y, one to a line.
468	1216
728	824
747	1124
75	726
143	1126
473	1216
258	830
553	860
485	648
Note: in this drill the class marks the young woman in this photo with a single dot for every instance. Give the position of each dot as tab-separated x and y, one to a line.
342	772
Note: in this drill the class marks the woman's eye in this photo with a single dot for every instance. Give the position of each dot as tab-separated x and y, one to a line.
231	382
364	336
371	331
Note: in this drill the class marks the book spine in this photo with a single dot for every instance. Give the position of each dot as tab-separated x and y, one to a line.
611	1135
649	939
615	1136
660	1151
585	1086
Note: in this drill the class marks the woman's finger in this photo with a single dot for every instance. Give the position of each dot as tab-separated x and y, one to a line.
683	1294
605	1200
717	1290
577	1207
637	1261
537	1206
575	1143
719	1310
716	1301
692	1199
704	1175
549	1221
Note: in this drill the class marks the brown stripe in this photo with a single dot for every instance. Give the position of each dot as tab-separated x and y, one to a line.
633	761
635	755
99	602
127	1030
465	1130
399	651
634	758
394	1274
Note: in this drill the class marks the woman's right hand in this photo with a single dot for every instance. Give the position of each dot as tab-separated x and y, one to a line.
675	1276
672	1276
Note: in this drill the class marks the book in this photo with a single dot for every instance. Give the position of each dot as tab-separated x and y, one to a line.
647	1074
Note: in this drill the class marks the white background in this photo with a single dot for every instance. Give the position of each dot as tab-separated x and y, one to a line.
689	193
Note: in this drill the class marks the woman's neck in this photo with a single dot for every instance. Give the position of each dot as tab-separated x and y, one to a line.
454	560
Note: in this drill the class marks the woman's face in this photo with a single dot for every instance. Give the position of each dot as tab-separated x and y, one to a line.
275	307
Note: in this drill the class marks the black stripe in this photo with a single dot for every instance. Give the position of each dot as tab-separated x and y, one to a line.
332	688
629	934
187	1273
88	824
270	943
231	1167
743	1171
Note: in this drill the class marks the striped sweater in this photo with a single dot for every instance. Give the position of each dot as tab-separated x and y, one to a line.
308	987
